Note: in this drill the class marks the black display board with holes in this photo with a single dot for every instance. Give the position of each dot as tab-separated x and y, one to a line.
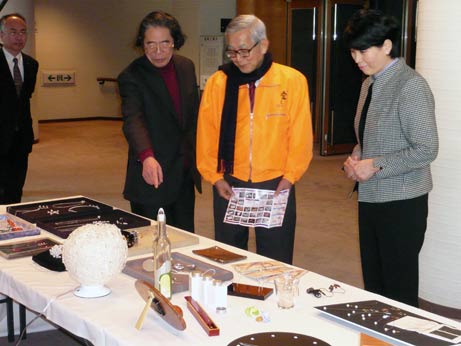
376	316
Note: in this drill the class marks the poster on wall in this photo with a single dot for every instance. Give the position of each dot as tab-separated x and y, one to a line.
211	56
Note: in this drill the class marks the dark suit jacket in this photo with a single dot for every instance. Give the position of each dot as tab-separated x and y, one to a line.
150	121
14	110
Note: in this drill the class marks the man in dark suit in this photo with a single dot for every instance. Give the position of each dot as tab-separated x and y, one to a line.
159	106
18	73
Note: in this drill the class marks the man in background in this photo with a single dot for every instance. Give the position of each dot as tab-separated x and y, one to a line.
18	73
254	131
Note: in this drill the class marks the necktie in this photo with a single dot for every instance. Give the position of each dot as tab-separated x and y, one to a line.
363	117
17	76
252	87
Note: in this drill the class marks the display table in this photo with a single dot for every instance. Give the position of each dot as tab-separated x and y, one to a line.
111	320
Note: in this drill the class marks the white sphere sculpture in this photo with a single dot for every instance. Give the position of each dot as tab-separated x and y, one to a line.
93	254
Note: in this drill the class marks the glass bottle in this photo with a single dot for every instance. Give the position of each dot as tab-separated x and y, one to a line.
162	257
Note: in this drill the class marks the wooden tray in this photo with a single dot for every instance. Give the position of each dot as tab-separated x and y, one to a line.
220	255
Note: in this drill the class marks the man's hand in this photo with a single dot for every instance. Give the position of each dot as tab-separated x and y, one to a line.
224	189
152	172
283	185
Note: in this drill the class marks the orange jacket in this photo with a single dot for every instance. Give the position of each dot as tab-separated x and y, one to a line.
275	141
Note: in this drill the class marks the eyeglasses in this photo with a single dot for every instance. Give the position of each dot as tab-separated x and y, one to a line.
163	46
15	33
244	53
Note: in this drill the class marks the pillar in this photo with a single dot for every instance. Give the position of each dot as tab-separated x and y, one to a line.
438	57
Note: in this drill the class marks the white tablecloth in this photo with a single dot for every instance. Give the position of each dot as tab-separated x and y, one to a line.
110	320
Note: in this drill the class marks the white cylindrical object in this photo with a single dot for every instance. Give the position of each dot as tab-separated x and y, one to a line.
195	285
213	294
220	296
206	289
437	59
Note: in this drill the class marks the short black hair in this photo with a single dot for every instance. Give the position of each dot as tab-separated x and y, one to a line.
370	28
161	19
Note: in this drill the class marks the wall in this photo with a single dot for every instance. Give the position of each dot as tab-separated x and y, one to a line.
437	59
95	39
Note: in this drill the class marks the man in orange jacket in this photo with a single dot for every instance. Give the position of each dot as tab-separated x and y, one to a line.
254	131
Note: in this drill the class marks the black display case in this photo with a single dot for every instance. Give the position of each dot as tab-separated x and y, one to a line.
63	216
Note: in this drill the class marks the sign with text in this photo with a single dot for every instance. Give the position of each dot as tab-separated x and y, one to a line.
211	56
50	78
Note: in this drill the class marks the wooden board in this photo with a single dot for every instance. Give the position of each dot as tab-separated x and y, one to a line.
177	238
172	314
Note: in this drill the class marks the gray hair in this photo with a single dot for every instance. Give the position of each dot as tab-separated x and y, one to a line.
248	21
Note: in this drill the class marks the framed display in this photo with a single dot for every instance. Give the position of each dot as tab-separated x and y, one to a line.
65	226
63	216
25	248
13	227
58	209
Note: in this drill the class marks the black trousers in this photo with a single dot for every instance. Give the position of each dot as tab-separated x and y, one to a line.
179	213
391	237
13	171
276	243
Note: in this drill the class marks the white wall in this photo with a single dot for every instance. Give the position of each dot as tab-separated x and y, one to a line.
96	39
437	59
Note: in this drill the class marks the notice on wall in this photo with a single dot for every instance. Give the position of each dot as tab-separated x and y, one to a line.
256	208
211	56
61	77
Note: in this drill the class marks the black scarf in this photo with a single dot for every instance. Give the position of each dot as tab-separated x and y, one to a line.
235	78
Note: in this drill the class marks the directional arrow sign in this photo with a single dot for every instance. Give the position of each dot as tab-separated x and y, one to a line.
58	77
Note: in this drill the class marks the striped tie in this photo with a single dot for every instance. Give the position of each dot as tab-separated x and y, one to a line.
17	76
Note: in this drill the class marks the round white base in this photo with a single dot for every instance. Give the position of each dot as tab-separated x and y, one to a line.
92	291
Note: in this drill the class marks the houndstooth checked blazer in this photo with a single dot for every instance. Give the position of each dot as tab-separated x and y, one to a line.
400	134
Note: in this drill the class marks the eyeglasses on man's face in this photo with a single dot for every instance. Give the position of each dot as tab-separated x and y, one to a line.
163	45
15	33
244	53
